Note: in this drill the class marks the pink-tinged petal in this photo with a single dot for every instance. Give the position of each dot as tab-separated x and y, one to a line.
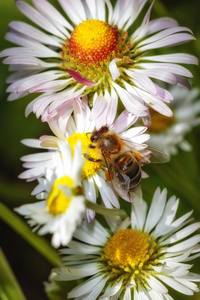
47	9
113	69
74	10
135	131
35	33
143	29
35	16
97	10
163	94
90	215
172	40
28	47
15	96
100	121
112	108
81	114
183	82
170	32
29	108
51	86
159	74
122	12
141	138
41	105
142	81
63	96
99	106
58	123
155	103
32	81
146	120
81	79
131	102
137	7
123	121
160	24
182	58
144	174
171	68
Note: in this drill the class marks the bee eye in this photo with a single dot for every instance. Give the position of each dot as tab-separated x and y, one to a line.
94	137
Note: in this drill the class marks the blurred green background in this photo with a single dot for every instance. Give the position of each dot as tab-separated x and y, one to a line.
181	176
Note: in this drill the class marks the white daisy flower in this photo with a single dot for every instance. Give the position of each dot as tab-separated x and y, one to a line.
96	54
64	205
168	134
70	129
134	259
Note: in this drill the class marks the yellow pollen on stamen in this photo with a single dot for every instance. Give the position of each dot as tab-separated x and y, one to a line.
90	167
58	202
159	122
128	249
93	40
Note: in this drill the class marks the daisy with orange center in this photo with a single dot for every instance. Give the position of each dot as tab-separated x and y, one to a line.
98	56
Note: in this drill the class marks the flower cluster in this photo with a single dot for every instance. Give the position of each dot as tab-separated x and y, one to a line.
101	93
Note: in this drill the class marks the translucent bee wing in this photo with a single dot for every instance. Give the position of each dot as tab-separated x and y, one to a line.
157	156
149	154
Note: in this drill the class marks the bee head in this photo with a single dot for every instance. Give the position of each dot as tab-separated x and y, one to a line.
96	134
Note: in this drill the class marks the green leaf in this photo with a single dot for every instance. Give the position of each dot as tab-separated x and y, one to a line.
37	242
9	287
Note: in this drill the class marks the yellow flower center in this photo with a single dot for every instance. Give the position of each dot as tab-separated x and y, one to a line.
128	250
90	167
93	40
58	202
159	122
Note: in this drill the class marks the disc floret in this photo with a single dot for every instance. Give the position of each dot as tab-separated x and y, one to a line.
128	253
90	167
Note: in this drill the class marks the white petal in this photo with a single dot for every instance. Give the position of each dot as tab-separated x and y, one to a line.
35	33
175	285
74	10
183	58
185	244
182	233
156	285
47	9
113	69
85	287
156	209
38	18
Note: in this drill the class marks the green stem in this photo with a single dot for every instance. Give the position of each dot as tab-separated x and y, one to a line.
9	287
106	211
39	243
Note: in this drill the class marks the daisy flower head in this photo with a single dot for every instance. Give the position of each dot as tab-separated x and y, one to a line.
93	51
62	204
168	134
134	259
72	128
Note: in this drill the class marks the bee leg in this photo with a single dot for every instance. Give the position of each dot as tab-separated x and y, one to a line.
91	158
91	146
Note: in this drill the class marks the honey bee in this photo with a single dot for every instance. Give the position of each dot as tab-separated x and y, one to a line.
122	158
